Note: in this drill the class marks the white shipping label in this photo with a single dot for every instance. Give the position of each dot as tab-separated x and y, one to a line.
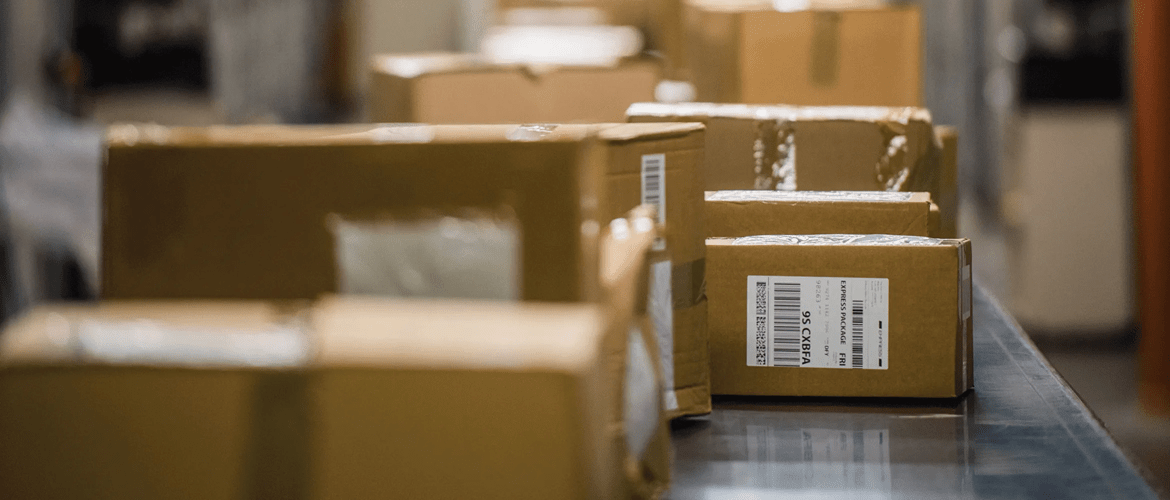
816	322
654	189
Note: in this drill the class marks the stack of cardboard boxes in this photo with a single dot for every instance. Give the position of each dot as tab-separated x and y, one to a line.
475	307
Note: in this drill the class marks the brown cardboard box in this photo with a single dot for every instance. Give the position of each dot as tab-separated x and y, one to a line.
98	404
241	212
242	401
517	411
660	164
747	52
948	181
461	88
906	302
733	214
810	148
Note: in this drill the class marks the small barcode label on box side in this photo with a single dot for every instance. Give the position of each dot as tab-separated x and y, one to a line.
654	188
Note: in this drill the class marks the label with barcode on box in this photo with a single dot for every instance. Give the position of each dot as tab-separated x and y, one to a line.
654	189
815	322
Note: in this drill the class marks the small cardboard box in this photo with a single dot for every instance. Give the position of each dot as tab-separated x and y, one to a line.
659	164
461	88
810	148
734	214
840	315
351	398
747	52
243	212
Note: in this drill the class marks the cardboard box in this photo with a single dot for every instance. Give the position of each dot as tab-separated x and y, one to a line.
348	399
242	212
99	402
460	88
659	164
840	315
519	410
734	214
747	52
948	181
810	148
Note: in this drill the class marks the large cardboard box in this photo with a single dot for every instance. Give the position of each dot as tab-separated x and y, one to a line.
734	214
659	165
463	88
242	212
747	52
352	398
840	315
811	148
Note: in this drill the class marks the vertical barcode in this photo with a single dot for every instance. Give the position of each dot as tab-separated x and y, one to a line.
786	324
652	192
858	334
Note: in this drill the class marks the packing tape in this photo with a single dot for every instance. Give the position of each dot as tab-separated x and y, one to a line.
826	47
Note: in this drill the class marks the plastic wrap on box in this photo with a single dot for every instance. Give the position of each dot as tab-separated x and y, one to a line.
470	256
876	240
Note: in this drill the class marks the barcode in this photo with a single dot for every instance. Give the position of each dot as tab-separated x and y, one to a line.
653	167
858	334
786	324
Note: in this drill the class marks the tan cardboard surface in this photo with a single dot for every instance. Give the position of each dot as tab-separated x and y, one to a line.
241	212
684	229
927	329
734	214
834	148
948	190
523	412
515	408
753	54
456	89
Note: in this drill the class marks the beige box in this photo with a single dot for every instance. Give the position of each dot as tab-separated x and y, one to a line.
810	148
660	164
242	212
349	398
747	52
840	315
948	181
734	214
463	88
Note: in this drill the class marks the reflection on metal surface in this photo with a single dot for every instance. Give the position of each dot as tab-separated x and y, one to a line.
1022	434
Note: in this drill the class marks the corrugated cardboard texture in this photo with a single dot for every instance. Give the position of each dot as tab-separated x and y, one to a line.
732	214
455	89
241	212
927	358
852	57
827	148
684	232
